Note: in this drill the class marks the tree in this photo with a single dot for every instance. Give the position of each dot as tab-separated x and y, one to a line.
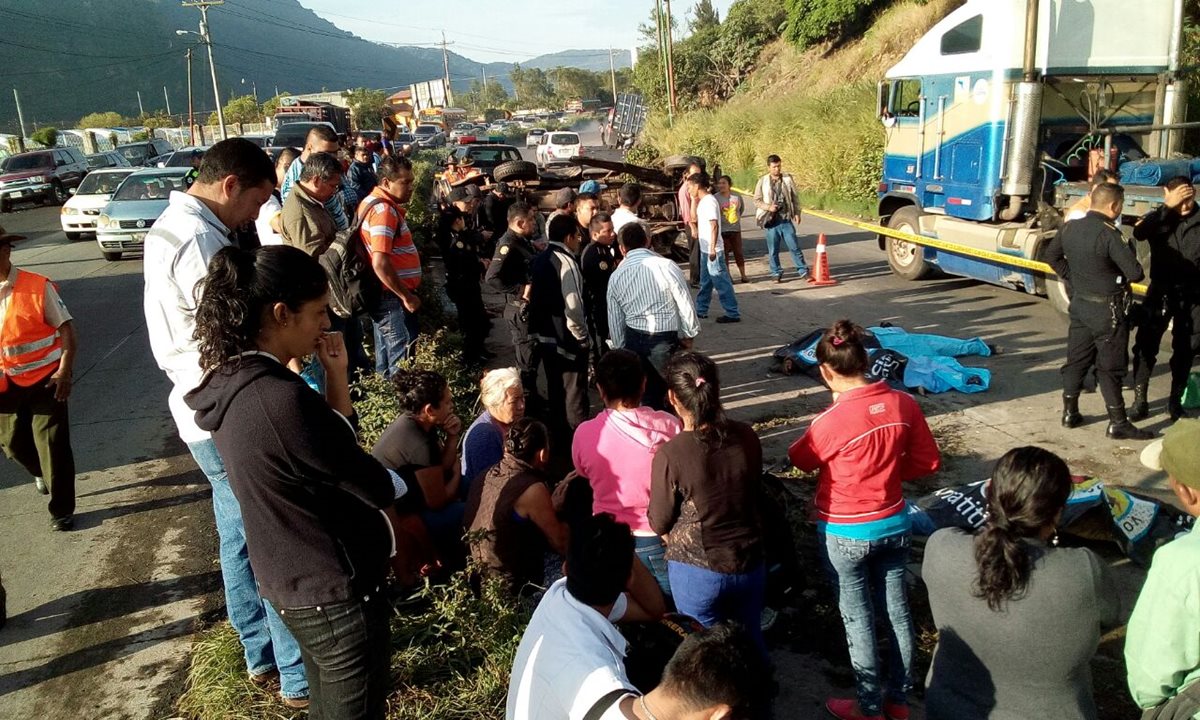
480	98
105	119
749	26
156	121
270	106
813	21
576	84
704	17
366	106
47	137
243	109
532	86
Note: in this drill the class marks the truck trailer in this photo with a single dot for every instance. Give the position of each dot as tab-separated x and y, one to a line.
293	110
999	114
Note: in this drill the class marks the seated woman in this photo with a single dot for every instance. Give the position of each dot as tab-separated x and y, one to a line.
503	401
615	449
1018	619
510	517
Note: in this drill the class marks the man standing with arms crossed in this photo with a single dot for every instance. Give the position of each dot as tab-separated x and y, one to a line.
236	177
778	212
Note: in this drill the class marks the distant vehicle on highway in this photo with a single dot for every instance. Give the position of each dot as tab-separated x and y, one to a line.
429	136
78	215
534	137
293	134
40	176
487	156
557	148
109	159
461	130
142	154
134	207
181	157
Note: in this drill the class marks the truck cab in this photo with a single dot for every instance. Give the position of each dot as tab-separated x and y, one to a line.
998	115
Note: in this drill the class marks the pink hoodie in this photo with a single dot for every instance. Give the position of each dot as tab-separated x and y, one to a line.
614	451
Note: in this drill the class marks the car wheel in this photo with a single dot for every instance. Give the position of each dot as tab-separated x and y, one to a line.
906	259
60	194
515	170
111	256
73	236
4	206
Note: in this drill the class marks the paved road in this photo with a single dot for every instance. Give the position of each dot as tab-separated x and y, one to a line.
100	618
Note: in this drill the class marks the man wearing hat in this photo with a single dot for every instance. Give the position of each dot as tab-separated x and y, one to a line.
37	353
564	204
1162	642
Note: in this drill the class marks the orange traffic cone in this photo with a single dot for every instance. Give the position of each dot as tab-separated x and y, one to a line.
820	274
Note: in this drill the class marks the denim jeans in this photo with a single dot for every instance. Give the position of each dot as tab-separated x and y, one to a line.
784	232
651	551
266	641
865	574
391	334
719	281
347	652
654	349
712	597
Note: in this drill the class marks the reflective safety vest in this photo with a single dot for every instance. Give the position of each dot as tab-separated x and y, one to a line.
29	348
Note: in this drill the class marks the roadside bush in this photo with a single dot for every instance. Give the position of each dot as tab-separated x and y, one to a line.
46	137
812	21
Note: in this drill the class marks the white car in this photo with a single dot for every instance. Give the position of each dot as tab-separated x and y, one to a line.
557	148
78	215
534	137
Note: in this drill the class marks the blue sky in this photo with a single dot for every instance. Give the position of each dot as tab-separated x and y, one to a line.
490	31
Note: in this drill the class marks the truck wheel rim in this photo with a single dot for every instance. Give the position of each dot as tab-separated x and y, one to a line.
903	252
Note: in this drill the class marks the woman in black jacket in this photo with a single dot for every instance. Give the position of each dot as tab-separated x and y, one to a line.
312	499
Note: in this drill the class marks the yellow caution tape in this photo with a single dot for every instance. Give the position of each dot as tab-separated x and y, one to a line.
955	248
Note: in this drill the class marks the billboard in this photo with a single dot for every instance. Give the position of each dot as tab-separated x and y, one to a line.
429	94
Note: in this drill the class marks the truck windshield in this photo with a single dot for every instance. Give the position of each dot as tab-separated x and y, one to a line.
32	161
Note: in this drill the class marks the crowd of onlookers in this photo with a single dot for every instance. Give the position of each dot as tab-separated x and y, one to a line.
654	505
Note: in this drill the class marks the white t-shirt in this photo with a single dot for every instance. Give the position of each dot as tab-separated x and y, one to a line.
569	658
268	212
708	210
622	217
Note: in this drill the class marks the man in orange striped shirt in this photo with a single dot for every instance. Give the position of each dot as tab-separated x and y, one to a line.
395	260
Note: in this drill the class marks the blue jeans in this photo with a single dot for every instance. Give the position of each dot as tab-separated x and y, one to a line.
864	574
719	281
784	232
654	349
712	597
392	339
266	640
651	551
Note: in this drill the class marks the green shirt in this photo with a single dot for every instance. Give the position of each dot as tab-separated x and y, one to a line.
1162	642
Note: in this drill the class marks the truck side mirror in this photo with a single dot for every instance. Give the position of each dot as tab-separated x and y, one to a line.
882	99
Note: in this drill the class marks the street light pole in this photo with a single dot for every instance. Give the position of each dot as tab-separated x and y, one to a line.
203	5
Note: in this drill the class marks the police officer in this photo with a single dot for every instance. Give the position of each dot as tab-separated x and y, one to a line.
508	273
1173	233
597	264
1097	265
464	271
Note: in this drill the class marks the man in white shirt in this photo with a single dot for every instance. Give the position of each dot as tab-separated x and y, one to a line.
630	197
650	309
236	177
714	275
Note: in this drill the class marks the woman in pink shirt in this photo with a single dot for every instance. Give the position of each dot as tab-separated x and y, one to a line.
871	440
615	449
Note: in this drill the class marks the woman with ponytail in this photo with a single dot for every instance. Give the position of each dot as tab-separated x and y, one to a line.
311	497
704	499
870	441
1018	618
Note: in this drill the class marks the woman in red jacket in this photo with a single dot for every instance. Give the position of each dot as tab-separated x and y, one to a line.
865	445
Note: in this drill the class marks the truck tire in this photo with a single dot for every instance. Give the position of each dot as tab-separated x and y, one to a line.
681	162
1056	292
515	170
906	259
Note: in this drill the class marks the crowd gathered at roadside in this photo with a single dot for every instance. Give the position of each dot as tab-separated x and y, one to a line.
651	506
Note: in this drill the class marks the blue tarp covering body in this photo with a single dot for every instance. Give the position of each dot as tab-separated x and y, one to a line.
1156	171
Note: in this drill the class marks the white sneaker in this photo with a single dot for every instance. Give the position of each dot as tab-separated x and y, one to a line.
40	484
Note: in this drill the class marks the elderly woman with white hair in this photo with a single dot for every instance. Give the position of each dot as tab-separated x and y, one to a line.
503	400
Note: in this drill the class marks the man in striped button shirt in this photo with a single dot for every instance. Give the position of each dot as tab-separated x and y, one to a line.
650	309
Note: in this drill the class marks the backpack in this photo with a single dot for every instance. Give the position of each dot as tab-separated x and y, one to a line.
354	288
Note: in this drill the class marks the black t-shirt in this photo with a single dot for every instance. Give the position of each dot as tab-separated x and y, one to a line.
406	448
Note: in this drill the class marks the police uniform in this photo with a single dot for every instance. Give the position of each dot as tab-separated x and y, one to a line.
597	265
1097	265
1173	297
464	271
509	274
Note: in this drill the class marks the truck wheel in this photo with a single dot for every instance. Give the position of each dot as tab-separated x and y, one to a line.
515	170
906	259
681	162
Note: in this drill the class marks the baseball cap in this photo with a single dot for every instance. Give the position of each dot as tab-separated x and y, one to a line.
1177	452
591	187
6	237
564	196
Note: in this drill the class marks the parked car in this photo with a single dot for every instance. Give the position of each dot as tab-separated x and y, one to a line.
534	137
142	154
429	136
557	148
109	159
260	139
487	156
78	215
181	157
40	176
294	134
134	207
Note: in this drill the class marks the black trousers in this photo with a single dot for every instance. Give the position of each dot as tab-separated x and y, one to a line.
566	391
525	349
35	431
1095	338
693	256
472	316
1159	309
347	653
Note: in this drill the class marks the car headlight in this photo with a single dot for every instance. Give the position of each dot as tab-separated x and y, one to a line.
69	210
102	221
38	179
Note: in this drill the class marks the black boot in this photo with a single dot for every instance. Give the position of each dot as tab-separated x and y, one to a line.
1119	427
1141	404
1175	408
1071	417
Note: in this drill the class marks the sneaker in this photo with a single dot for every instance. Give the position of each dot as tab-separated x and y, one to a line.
895	710
846	709
806	275
40	484
263	680
779	278
300	703
63	524
727	319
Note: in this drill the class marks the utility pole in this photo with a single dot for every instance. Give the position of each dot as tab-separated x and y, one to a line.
20	115
204	5
670	59
446	68
612	71
191	117
167	98
663	61
141	110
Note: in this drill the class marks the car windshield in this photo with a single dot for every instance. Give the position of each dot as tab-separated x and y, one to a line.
135	154
32	161
564	139
105	183
182	158
494	155
427	130
149	187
